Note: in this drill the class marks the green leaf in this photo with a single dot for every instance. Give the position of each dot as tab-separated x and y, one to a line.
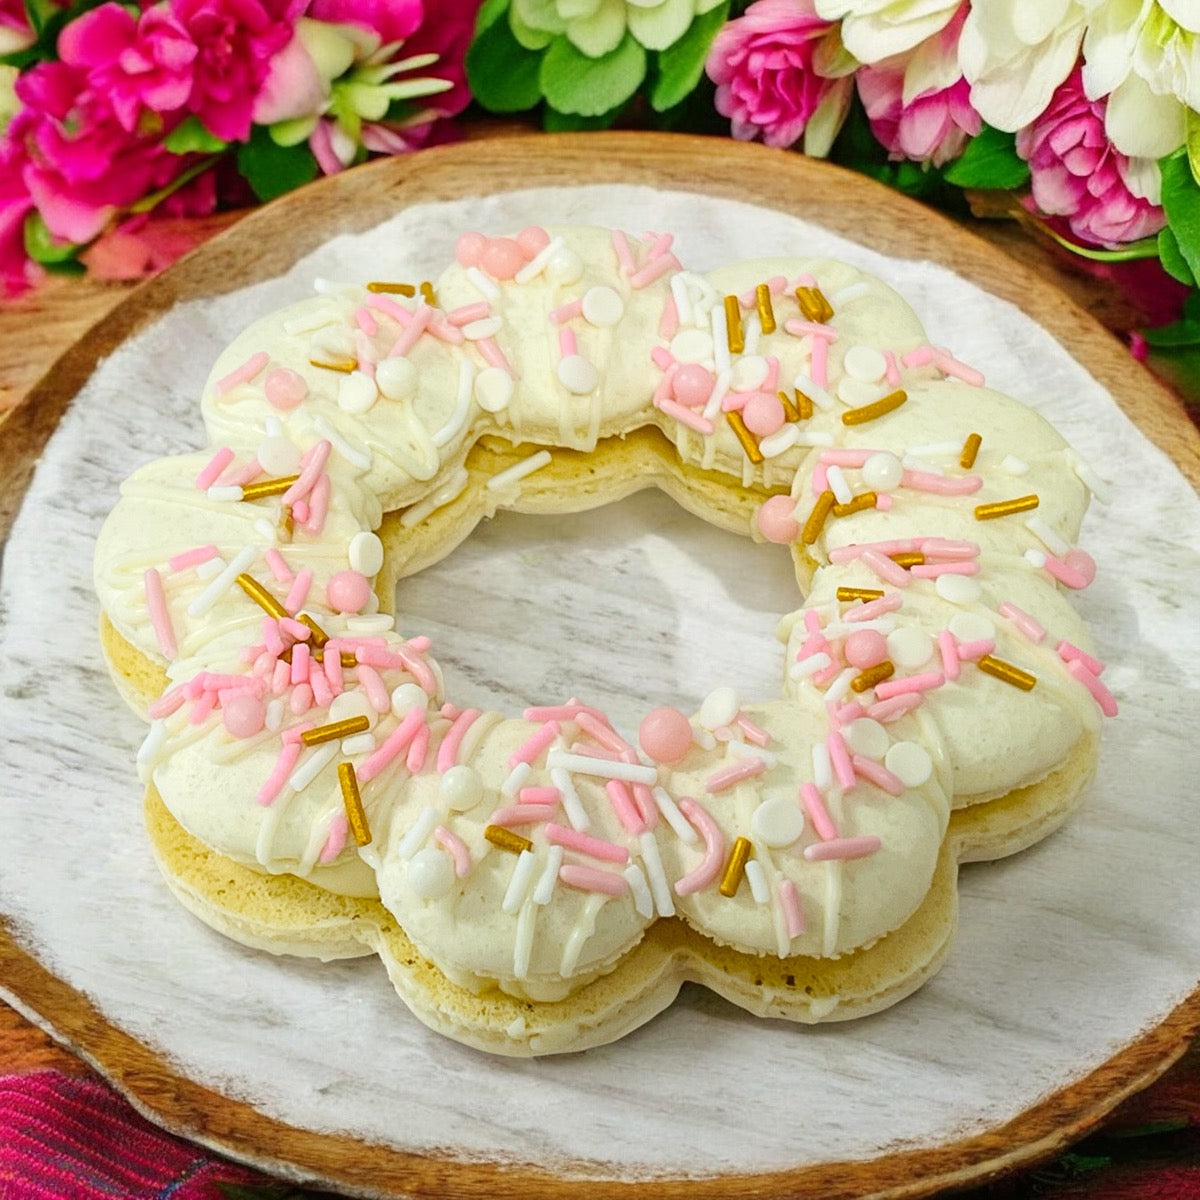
502	74
574	83
1181	202
990	161
191	137
1185	332
1193	144
554	121
681	65
42	246
1172	258
489	13
272	170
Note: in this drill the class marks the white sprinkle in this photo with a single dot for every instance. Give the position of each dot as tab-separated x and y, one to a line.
739	749
678	822
720	337
365	552
543	891
515	780
848	295
449	491
854	393
224	492
602	306
643	901
360	743
1090	480
1010	464
518	885
356	456
155	739
683	302
720	390
934	449
822	767
523	942
571	803
1056	545
313	319
776	443
1035	558
756	877
577	374
272	426
659	888
753	331
357	392
603	768
804	667
703	737
818	395
485	327
865	363
840	687
418	835
536	265
274	717
815	439
223	582
494	388
462	402
312	766
377	623
958	589
838	485
518	471
264	529
483	283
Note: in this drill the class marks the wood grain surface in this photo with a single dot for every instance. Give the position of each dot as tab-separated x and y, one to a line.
272	238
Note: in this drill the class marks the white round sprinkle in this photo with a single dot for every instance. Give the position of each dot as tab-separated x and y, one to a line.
958	589
461	788
577	375
868	737
602	306
720	707
777	822
346	705
278	456
406	696
430	873
565	266
910	763
972	627
882	472
909	647
366	553
357	392
856	392
488	327
493	389
865	363
748	373
396	378
692	345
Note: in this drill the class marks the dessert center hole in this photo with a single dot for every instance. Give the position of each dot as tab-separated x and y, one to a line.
627	607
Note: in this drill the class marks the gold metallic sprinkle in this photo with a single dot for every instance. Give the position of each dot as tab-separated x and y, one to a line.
335	730
852	593
348	659
766	314
352	799
427	293
872	675
734	334
1003	508
267	487
868	412
262	597
748	440
804	404
859	503
790	411
999	669
319	636
735	868
287	523
506	839
911	558
345	365
816	518
813	305
392	289
970	449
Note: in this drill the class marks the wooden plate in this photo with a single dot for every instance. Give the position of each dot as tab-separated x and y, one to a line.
268	242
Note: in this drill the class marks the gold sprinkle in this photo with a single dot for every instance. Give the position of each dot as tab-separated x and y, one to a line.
345	365
872	675
319	636
852	593
506	839
352	800
813	305
970	449
348	659
335	730
790	411
733	325
262	597
287	524
1003	508
748	440
267	487
735	868
427	293
766	314
803	403
999	669
392	289
859	503
868	412
910	558
816	518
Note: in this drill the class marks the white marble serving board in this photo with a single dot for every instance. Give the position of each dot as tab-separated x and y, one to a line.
1065	953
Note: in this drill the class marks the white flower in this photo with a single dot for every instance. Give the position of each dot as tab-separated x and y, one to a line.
597	26
873	30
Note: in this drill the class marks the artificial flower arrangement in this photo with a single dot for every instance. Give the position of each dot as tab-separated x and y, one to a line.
116	118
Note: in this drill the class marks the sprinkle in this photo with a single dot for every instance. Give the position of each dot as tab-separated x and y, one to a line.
735	868
448	751
685	416
873	675
671	814
533	746
855	847
948	645
922	356
970	449
816	519
307	771
1003	508
974	651
594	847
734	333
160	616
515	780
839	759
571	803
874	608
941	485
209	475
261	596
352	799
885	568
659	887
766	314
518	471
584	764
455	847
518	884
314	464
793	914
505	839
192	558
621	248
521	814
1101	694
1005	671
591	879
427	293
643	901
748	440
274	782
818	814
393	745
848	594
1023	621
224	492
222	582
654	269
886	711
418	834
860	503
813	305
949	365
243	374
714	849
880	776
543	890
909	684
391	289
624	805
335	730
1069	652
869	412
1067	575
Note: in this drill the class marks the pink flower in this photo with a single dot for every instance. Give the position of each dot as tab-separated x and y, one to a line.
767	68
1078	175
17	271
15	31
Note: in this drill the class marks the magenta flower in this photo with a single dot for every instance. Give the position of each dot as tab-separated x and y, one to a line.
1078	175
17	271
15	31
767	66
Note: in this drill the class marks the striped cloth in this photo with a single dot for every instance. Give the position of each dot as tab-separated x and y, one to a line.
74	1139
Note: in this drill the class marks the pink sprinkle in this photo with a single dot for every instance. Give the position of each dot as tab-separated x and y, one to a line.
301	659
643	797
456	848
755	734
845	554
949	648
322	692
620	244
244	373
447	755
893	368
535	744
911	683
600	731
820	362
411	332
335	842
1101	694
300	512
299	593
887	711
385	304
418	748
561	712
520	814
1066	575
624	805
793	914
301	699
279	568
874	608
885	568
946	548
539	795
933	570
685	416
284	765
662	358
949	365
493	355
1069	652
271	637
884	502
822	335
849	712
846	458
366	322
594	847
393	744
160	617
468	313
567	345
879	775
417	667
318	500
169	702
192	558
1023	621
216	465
333	673
666	385
295	629
280	673
839	756
714	849
201	708
592	879
818	814
941	485
374	687
820	479
295	732
734	401
314	463
567	312
364	350
726	777
812	620
855	847
652	270
668	323
660	243
922	356
445	332
973	651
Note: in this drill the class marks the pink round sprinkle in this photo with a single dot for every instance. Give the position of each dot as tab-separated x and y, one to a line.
469	249
776	522
692	385
763	414
245	714
865	648
533	240
665	734
285	389
502	258
1081	561
348	591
